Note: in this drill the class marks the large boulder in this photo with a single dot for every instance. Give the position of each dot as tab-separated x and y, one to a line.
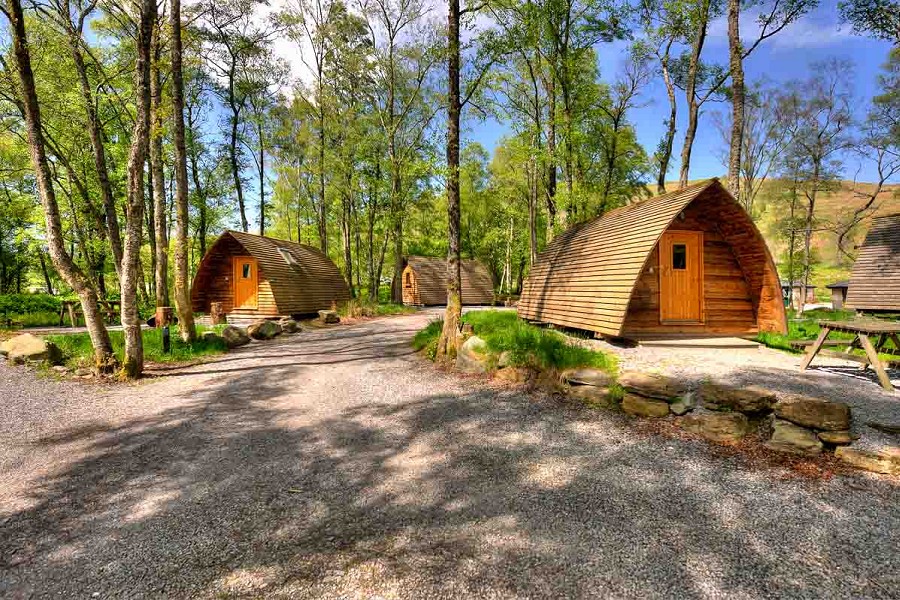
886	460
814	413
639	406
718	426
683	405
515	375
289	326
30	348
586	376
787	437
473	356
264	330
750	399
235	336
329	316
212	337
652	386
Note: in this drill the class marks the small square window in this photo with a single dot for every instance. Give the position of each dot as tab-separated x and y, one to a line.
679	257
245	273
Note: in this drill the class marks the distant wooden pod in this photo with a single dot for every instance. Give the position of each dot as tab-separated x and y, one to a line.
425	282
875	280
685	264
256	276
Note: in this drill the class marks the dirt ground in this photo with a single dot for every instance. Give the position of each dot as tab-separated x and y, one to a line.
338	464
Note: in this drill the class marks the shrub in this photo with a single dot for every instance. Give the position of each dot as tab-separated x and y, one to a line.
528	345
361	307
23	304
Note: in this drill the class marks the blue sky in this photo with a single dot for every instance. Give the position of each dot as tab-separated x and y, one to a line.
816	37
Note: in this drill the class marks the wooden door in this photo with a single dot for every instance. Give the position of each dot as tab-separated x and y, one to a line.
681	277
246	282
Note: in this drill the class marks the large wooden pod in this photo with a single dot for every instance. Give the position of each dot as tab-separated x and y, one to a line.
685	264
252	275
875	280
425	282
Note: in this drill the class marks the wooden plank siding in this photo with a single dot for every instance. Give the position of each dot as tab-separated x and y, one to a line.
311	283
603	275
428	282
875	279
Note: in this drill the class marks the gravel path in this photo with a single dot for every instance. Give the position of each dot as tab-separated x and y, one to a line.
336	463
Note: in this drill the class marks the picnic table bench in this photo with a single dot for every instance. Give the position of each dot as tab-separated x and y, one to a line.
862	329
73	308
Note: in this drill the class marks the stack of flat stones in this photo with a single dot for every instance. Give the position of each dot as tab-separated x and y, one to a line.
793	424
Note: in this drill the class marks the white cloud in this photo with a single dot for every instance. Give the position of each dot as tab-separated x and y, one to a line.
810	31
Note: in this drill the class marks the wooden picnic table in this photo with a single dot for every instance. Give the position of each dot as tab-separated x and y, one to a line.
73	308
861	329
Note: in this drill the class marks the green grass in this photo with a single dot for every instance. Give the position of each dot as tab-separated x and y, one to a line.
359	307
30	319
78	350
528	345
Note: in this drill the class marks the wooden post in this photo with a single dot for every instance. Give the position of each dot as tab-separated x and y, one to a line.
814	349
72	320
164	316
872	355
216	314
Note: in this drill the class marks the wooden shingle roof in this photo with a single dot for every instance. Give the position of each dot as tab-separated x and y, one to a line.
431	279
875	280
585	277
303	281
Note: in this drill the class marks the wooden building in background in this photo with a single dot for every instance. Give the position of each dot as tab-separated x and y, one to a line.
838	293
685	264
256	276
875	279
425	282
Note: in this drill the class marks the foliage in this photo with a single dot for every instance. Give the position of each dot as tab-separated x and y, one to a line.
77	348
361	307
20	304
527	344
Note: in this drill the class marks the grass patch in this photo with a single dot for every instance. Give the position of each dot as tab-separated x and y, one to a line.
527	345
78	350
359	307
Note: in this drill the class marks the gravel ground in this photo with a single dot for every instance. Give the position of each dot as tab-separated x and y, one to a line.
827	378
336	463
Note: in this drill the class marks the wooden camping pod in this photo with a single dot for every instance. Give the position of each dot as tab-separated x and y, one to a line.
425	282
687	263
875	279
252	275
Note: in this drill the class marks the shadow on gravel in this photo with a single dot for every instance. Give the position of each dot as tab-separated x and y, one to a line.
473	495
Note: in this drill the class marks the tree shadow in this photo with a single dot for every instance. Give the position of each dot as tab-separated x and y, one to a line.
482	493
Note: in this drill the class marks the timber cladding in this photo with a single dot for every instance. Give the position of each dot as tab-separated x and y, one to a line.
425	282
875	279
292	278
605	275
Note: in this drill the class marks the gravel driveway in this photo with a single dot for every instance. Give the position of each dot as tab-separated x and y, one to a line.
336	463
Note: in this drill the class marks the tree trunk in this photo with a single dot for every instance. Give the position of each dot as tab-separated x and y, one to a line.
551	153
323	212
160	232
397	218
737	98
447	344
669	140
808	229
262	180
46	273
690	94
133	364
232	148
104	359
186	327
113	233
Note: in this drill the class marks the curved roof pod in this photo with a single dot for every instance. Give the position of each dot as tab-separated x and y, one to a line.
587	276
301	278
425	281
875	280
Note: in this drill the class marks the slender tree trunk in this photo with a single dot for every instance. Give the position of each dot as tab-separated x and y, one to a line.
737	98
808	229
233	148
323	212
397	219
133	364
447	344
551	166
690	94
113	233
262	180
183	306
150	216
46	273
104	359
161	230
198	191
669	140
533	192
